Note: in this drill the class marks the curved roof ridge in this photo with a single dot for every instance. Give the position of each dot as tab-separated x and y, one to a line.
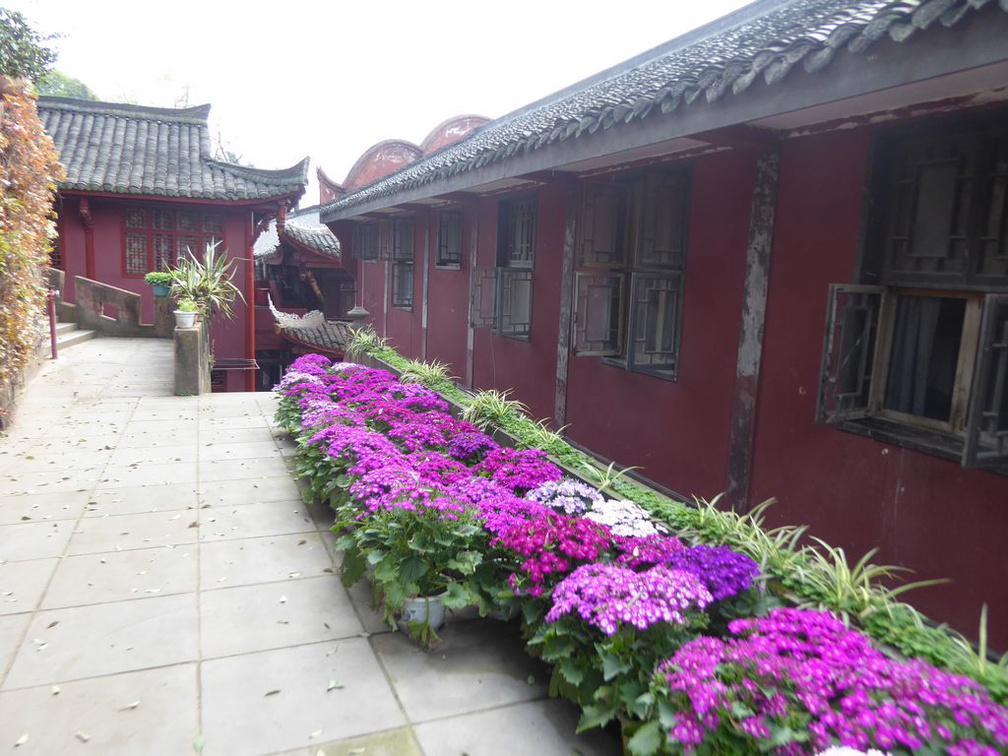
194	114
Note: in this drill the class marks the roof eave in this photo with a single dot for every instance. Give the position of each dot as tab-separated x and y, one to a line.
973	43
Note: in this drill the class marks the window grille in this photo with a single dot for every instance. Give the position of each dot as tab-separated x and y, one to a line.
155	239
449	250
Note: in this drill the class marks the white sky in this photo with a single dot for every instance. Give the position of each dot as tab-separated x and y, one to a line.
329	80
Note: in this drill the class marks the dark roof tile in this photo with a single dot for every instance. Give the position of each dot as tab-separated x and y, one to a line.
163	152
727	56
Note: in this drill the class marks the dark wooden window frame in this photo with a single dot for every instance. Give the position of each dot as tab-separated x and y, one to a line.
207	228
366	241
402	253
449	239
501	298
630	271
861	318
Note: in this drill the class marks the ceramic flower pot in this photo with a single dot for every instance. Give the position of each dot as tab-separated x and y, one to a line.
160	290
425	609
184	319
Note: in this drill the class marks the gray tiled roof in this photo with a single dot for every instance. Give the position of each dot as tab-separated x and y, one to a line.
331	335
766	40
163	152
304	227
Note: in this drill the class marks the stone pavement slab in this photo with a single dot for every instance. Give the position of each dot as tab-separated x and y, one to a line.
165	591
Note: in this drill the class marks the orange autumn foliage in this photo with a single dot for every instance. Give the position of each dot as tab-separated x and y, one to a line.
29	170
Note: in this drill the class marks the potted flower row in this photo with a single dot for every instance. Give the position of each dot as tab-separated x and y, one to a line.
676	641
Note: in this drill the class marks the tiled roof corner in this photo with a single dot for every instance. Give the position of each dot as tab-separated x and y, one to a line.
721	59
302	226
120	148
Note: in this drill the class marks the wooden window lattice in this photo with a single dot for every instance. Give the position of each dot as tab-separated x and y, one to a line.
449	250
598	314
986	444
655	315
136	254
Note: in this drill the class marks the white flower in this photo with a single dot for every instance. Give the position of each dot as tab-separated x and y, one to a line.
624	518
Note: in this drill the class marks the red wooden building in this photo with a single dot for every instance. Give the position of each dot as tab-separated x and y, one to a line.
142	188
649	258
303	293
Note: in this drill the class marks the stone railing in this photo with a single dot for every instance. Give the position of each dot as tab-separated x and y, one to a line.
108	309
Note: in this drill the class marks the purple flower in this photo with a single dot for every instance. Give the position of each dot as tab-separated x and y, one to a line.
608	595
806	670
726	572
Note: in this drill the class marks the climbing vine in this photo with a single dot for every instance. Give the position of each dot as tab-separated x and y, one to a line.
29	170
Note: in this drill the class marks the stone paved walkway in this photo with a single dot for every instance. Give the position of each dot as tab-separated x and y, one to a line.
163	590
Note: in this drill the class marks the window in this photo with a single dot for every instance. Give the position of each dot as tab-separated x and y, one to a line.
153	239
402	263
501	297
921	359
449	245
365	241
629	280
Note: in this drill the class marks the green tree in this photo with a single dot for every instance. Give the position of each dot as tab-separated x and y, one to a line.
23	52
59	84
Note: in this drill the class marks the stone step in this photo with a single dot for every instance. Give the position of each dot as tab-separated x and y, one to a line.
62	328
73	337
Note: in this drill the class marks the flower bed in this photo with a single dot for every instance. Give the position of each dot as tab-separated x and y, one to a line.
678	641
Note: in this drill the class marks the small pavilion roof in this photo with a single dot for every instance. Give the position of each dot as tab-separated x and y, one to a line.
162	152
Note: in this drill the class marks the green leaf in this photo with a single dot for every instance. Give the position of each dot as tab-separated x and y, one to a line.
456	597
647	740
571	671
413	569
612	666
596	716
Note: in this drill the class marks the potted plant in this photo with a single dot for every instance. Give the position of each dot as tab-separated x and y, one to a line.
208	281
160	280
185	314
423	553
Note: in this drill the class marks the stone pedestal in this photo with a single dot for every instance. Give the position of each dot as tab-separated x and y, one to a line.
192	361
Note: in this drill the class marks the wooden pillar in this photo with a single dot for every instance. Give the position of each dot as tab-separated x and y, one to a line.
750	352
250	346
566	305
470	331
89	256
426	285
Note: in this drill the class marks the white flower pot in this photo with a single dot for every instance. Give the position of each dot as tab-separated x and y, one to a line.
185	319
425	609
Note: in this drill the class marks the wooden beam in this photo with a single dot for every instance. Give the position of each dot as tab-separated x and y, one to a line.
550	177
740	136
426	283
750	352
473	247
566	305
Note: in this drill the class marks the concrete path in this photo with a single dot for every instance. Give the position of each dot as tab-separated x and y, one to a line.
163	590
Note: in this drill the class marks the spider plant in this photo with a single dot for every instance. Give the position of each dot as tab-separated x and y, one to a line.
605	480
364	341
853	591
493	408
209	281
431	374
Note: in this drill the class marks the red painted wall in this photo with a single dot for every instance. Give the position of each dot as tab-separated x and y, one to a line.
448	303
678	431
921	511
528	367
